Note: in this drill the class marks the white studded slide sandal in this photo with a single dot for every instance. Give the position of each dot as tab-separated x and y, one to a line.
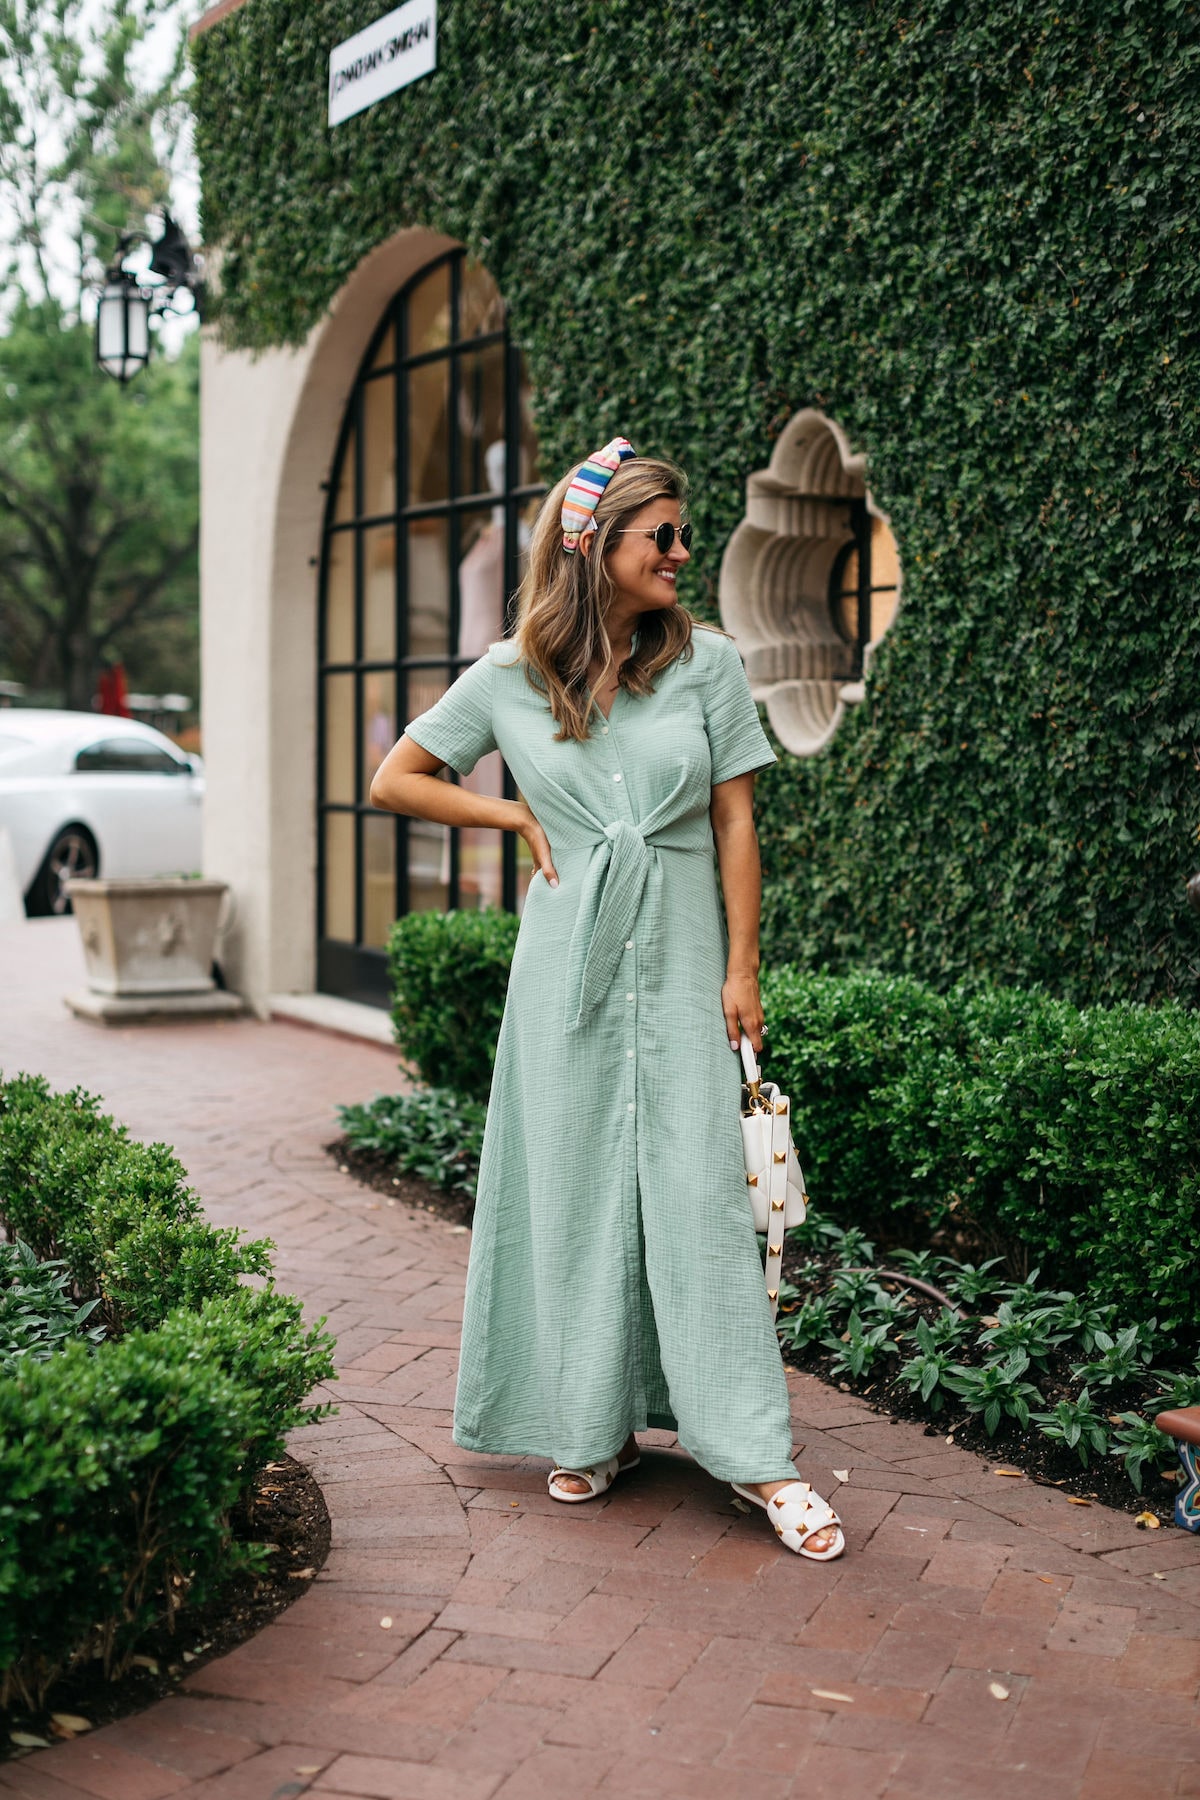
599	1480
798	1512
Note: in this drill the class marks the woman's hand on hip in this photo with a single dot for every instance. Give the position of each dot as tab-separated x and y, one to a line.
539	844
742	1008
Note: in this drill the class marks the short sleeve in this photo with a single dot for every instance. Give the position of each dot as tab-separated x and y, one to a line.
457	729
736	738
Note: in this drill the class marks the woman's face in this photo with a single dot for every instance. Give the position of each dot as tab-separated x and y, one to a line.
643	576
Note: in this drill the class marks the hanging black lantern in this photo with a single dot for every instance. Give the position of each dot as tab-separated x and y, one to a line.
122	326
124	308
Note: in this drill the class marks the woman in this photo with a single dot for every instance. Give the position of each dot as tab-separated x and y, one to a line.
614	1281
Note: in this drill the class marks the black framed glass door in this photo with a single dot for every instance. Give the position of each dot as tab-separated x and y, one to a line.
431	496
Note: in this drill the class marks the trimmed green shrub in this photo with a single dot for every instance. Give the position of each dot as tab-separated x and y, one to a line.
1072	1138
120	1461
432	1133
449	975
118	1472
1079	1137
117	1212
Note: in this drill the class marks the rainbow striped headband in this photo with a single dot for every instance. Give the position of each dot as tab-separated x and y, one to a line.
583	495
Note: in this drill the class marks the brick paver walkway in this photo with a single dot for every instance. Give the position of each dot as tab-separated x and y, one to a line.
981	1638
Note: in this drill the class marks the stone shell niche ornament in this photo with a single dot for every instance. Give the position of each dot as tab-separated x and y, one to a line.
587	485
778	572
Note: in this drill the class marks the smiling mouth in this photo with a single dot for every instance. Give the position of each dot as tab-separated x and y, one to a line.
666	575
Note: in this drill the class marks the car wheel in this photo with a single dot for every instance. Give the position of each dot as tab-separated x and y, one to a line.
72	853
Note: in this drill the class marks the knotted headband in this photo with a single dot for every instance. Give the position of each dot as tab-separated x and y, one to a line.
586	488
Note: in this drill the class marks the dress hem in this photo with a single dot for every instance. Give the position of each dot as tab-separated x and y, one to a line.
469	1441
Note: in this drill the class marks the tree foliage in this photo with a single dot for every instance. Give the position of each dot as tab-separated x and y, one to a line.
98	485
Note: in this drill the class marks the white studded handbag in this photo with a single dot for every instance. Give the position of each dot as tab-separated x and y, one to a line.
774	1180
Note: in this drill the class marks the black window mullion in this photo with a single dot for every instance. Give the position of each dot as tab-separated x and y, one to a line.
359	413
512	525
453	528
400	308
862	531
483	342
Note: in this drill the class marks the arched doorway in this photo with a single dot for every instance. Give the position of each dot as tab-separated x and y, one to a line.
432	489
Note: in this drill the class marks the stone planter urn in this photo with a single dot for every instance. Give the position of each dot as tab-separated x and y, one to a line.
149	949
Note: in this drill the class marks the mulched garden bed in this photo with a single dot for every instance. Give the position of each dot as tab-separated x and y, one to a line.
376	1171
286	1511
1025	1450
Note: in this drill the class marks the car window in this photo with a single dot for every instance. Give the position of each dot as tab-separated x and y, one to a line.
129	756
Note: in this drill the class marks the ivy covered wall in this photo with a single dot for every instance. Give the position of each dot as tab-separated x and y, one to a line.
969	232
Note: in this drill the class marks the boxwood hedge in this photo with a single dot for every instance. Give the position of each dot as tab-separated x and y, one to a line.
121	1460
1068	1138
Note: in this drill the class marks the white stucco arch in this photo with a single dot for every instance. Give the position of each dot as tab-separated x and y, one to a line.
269	430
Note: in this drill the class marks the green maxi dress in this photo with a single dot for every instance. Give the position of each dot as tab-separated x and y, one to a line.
614	1280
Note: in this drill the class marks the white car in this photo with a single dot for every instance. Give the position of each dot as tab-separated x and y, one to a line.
86	794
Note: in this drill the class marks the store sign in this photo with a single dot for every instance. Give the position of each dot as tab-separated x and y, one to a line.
397	49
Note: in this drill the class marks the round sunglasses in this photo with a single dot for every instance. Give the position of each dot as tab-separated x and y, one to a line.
664	535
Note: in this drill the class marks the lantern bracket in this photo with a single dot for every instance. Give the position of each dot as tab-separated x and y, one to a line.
127	303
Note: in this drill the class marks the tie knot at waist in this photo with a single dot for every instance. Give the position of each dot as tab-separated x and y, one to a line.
623	870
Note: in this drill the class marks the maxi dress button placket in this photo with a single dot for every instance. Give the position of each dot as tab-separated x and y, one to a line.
624	808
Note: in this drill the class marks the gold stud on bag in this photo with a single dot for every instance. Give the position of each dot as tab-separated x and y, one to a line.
774	1181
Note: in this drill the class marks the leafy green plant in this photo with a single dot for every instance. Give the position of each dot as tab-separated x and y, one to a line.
449	976
948	1329
1030	1332
855	1288
1028	1294
807	1274
925	1373
1179	1387
818	1232
970	1283
860	1349
814	1322
924	1265
1122	1359
1076	1316
37	1313
855	1247
1077	1425
1141	1445
431	1132
997	1391
895	1311
1070	1136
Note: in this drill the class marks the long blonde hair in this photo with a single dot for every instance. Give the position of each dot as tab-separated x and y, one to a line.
564	599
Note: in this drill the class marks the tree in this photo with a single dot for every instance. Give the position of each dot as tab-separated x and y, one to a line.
98	484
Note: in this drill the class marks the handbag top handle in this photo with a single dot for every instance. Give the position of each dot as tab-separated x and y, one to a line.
753	1076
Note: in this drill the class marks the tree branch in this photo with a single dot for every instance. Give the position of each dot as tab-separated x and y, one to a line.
149	587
